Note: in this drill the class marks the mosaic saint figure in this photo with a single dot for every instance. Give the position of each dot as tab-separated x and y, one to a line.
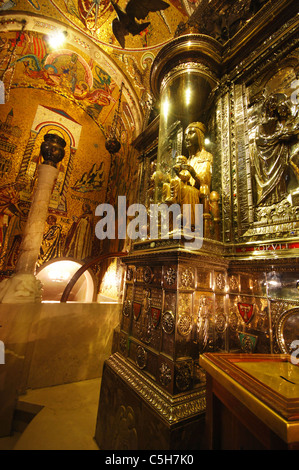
79	241
50	247
11	223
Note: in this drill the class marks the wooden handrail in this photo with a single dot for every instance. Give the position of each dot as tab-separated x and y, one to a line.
84	268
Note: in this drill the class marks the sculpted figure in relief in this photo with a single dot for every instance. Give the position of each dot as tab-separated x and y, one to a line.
275	150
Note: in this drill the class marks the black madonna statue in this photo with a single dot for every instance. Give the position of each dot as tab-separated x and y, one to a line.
274	141
192	184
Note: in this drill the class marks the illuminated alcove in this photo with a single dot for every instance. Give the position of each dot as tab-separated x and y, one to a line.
56	275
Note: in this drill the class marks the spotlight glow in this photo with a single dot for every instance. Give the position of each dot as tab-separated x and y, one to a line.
58	275
166	106
57	39
188	94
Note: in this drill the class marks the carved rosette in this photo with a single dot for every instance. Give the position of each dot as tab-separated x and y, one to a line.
170	276
168	322
184	325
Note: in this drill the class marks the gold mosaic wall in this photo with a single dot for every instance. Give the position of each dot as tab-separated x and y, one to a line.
67	93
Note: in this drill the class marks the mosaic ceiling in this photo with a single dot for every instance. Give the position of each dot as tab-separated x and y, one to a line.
95	18
126	51
89	24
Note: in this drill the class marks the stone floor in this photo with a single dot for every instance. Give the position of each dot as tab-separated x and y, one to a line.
66	420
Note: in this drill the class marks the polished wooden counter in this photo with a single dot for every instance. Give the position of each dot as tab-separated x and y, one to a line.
252	401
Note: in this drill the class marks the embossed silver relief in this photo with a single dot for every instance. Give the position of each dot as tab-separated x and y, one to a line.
170	276
187	277
127	308
130	274
233	283
147	275
125	434
141	357
223	141
233	319
184	325
220	323
183	376
248	342
123	345
203	324
220	281
164	374
145	327
274	152
172	412
146	300
168	322
275	136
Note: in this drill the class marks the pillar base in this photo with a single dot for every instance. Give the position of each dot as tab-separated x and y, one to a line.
135	414
20	288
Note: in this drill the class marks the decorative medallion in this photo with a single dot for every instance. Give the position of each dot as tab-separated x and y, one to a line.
220	323
248	342
185	324
136	310
183	376
165	374
246	311
155	314
168	322
141	357
127	308
170	276
147	275
187	277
